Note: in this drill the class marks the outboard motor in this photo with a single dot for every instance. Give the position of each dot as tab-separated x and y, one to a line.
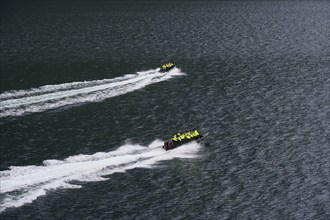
170	145
166	145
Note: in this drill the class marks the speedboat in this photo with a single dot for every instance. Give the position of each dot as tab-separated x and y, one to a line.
172	143
166	67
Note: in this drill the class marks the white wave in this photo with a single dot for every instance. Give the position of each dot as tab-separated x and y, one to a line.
24	184
16	103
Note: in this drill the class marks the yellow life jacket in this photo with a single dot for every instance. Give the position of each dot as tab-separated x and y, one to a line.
182	136
196	133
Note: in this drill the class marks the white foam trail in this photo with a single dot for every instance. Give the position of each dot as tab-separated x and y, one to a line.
16	103
24	184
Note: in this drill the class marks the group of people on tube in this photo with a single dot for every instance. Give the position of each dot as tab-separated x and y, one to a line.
167	65
190	135
180	139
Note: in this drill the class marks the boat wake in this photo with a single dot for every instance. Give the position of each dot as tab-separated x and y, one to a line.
23	184
20	102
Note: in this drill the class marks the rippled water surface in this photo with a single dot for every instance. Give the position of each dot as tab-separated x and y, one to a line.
84	110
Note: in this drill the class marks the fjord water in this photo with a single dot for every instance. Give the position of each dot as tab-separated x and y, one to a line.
84	111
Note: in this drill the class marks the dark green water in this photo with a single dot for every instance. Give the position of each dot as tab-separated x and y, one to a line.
255	75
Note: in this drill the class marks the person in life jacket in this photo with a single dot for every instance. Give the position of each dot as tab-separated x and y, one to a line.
174	138
188	135
182	138
196	134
